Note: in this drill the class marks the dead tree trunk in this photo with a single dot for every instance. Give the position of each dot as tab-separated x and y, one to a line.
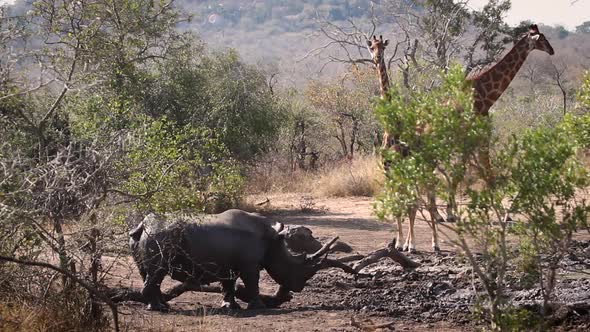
390	252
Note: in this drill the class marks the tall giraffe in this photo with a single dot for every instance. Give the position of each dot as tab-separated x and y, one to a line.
377	49
489	84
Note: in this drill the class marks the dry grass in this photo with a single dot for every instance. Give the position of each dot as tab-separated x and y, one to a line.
359	177
26	316
33	299
21	317
362	176
147	321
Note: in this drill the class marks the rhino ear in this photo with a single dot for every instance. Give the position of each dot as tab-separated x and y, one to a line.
135	233
278	226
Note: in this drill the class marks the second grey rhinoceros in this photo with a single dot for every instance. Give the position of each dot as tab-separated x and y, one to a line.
221	247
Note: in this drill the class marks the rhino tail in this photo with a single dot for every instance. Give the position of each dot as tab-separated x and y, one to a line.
135	233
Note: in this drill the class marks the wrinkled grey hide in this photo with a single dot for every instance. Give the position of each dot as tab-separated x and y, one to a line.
219	247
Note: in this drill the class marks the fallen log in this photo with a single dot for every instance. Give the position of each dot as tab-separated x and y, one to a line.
301	239
391	252
346	268
351	258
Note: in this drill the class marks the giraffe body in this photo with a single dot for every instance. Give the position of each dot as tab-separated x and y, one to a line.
377	49
489	84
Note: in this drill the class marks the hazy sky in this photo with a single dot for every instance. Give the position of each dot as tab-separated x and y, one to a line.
569	13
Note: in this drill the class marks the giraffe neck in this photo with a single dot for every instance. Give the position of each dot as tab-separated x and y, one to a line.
490	85
384	85
383	77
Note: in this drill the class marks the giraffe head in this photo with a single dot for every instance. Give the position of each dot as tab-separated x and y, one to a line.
537	40
377	48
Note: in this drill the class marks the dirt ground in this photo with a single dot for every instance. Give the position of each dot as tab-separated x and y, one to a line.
434	297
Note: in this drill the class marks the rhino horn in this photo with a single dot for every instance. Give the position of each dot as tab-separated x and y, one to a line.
322	250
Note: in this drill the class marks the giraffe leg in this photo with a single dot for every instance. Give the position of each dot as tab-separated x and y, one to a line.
432	207
434	226
435	245
434	220
400	235
488	172
410	245
451	208
486	165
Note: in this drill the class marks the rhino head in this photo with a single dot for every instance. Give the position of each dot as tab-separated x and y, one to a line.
292	271
300	239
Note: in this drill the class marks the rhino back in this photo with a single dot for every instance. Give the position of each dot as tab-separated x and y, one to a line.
229	239
240	220
224	245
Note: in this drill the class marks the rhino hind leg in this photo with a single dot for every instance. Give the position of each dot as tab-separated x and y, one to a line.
250	279
229	294
152	293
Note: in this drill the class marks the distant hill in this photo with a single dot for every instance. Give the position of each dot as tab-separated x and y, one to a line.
277	34
288	15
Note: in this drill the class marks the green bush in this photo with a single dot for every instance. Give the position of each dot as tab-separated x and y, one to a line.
219	92
537	178
439	137
171	168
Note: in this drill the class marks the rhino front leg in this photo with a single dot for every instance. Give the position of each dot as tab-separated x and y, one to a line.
152	293
250	278
229	294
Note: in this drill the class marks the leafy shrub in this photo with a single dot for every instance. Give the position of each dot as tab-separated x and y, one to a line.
537	178
442	132
172	169
219	92
584	92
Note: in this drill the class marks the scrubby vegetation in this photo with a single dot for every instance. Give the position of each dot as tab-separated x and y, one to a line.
543	183
111	109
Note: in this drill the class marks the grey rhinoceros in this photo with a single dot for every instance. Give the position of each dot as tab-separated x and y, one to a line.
220	247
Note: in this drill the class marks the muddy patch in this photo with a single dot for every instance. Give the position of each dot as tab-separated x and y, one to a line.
443	288
438	295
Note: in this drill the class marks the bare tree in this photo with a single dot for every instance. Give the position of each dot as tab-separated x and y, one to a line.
532	71
427	36
557	73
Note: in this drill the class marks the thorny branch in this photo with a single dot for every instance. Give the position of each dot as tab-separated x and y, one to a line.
75	278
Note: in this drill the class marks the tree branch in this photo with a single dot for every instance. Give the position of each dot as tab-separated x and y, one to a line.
70	275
